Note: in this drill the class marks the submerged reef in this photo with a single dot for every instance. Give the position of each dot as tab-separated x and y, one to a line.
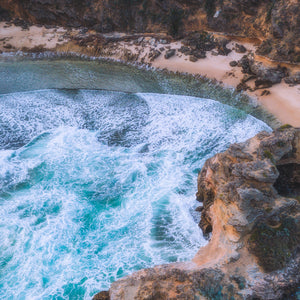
251	213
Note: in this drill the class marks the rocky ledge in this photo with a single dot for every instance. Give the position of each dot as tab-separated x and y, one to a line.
251	213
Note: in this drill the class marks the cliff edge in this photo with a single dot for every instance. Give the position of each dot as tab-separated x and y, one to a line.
274	22
251	211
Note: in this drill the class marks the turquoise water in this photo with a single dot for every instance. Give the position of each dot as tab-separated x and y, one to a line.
95	185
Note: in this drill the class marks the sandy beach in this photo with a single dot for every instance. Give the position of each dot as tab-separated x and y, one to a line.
283	101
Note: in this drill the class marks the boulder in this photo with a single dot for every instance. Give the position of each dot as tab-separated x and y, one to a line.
102	296
265	93
240	48
245	63
293	79
170	53
271	75
154	54
233	63
200	40
221	44
198	54
193	58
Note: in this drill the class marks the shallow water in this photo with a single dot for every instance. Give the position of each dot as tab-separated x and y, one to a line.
97	184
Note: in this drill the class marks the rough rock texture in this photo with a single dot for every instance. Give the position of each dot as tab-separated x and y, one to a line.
275	22
250	196
264	76
254	186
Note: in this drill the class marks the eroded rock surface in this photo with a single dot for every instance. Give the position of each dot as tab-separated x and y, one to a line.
254	248
276	22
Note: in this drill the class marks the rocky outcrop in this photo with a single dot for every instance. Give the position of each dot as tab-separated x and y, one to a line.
258	182
249	196
275	22
264	76
251	211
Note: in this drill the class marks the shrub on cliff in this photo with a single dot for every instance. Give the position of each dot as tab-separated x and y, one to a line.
274	246
175	21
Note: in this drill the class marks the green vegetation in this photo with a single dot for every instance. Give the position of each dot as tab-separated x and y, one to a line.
285	126
268	154
175	21
274	246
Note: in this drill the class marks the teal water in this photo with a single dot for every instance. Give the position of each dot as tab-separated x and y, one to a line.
96	184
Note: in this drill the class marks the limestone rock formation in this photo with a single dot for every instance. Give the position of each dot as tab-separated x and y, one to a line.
257	185
251	209
276	22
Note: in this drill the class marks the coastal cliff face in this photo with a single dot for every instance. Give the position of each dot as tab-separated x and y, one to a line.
251	209
275	22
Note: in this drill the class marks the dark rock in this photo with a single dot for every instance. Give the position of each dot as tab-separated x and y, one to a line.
200	41
263	83
184	49
242	86
221	44
240	48
250	7
265	48
198	54
248	77
83	31
288	182
170	53
244	62
98	27
7	46
205	224
49	26
4	14
102	296
271	75
199	208
293	79
193	58
21	23
240	280
154	54
277	30
233	63
265	93
128	55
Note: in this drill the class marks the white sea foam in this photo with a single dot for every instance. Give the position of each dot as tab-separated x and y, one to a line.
101	184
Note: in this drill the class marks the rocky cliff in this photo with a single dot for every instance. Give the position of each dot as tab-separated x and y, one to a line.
275	22
251	209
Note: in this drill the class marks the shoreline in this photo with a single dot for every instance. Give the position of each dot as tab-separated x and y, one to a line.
281	100
228	255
